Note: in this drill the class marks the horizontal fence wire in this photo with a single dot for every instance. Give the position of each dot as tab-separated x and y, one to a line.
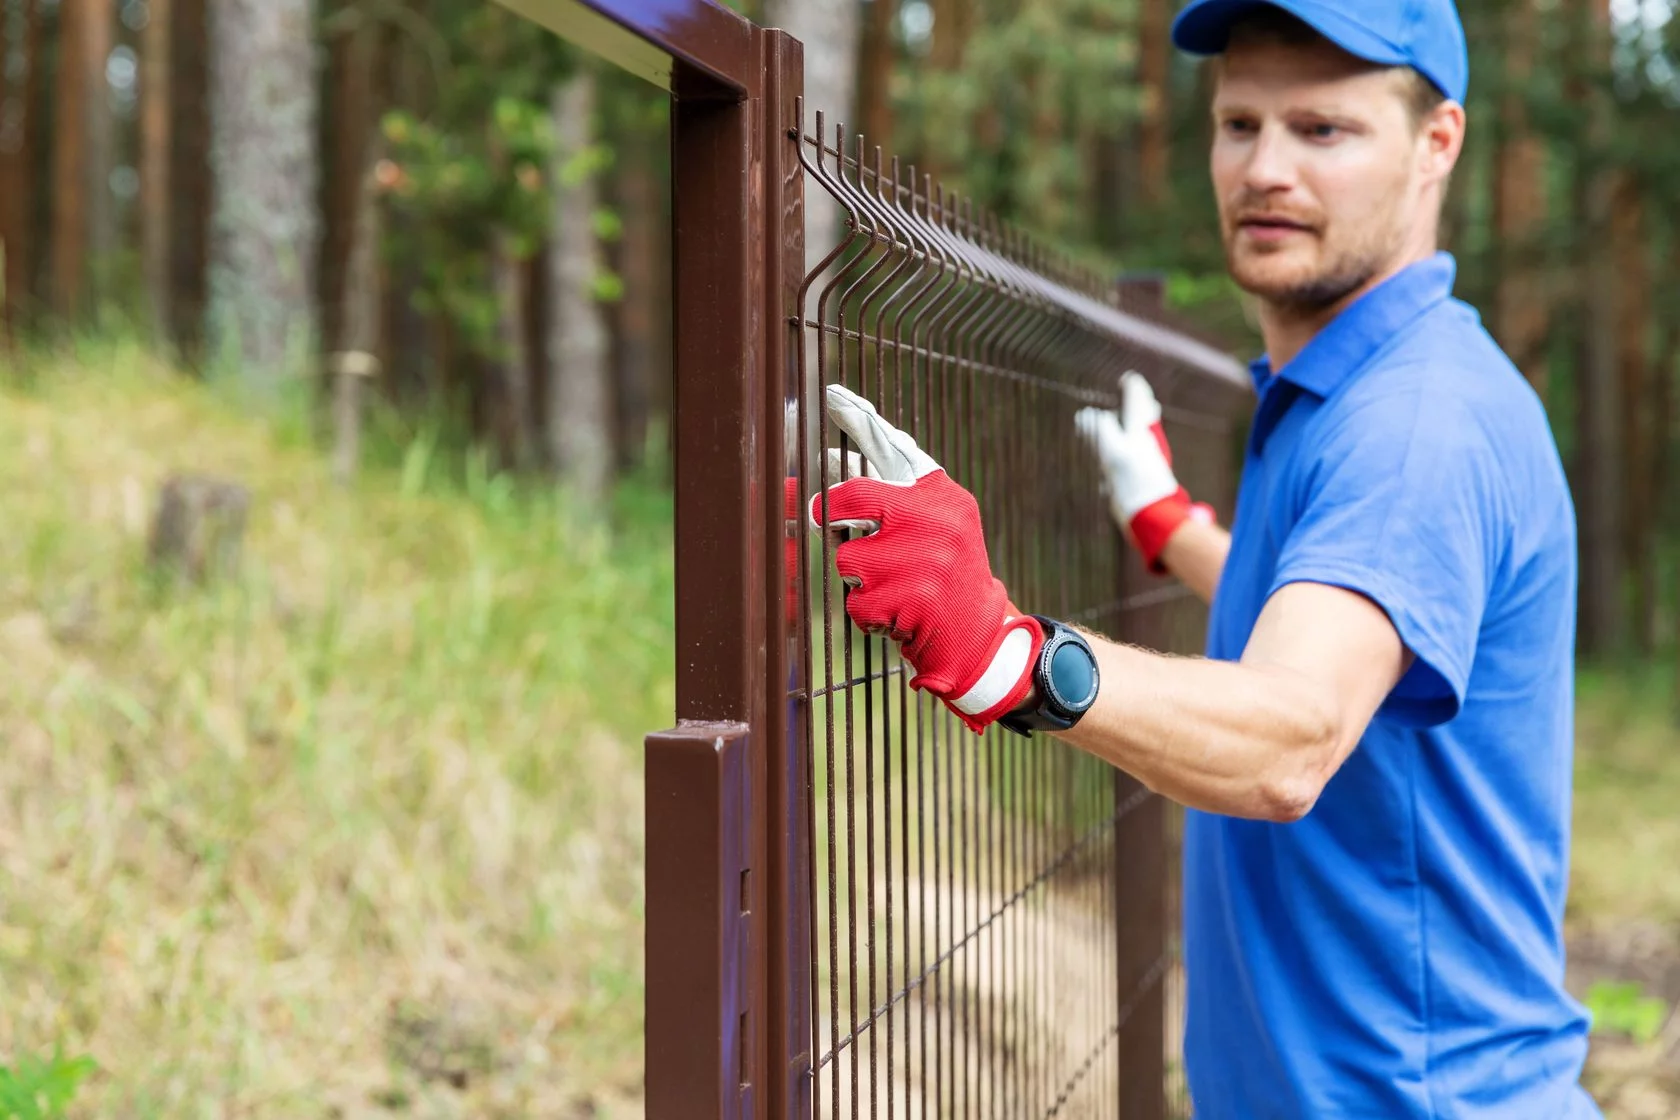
965	910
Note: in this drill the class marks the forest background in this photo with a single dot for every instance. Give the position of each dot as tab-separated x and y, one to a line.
401	268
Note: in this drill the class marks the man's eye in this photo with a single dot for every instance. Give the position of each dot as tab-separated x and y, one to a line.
1239	128
1321	131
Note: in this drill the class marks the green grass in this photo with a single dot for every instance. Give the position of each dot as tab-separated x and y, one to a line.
40	1089
359	831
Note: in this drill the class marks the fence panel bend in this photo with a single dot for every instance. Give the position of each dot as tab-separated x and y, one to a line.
855	907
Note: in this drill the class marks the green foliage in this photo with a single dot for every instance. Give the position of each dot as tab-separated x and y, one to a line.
1623	1007
458	186
1014	125
36	1089
473	168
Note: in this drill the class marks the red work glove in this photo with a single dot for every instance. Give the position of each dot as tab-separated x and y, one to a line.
790	550
920	573
1143	494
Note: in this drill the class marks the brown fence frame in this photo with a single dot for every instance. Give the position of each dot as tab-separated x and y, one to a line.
728	1002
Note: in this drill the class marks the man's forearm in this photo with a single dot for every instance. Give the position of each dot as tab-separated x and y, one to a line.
1238	739
1195	554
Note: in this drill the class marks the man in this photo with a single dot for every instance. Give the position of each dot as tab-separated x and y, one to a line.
1376	753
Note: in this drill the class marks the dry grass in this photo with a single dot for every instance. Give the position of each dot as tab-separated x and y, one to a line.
357	836
1624	906
1627	781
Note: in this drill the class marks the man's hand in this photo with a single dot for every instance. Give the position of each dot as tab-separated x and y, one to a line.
1143	493
920	572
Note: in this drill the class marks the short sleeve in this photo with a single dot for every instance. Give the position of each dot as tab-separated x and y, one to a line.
1398	503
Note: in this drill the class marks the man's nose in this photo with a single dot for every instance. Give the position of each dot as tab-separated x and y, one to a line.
1269	167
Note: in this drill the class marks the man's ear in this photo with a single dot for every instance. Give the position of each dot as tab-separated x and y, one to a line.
1442	137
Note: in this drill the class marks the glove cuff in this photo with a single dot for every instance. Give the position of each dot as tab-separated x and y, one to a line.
1153	526
1006	677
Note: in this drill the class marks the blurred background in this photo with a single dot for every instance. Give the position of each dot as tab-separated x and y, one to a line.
335	544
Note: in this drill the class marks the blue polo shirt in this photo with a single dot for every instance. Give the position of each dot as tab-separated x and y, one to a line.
1398	952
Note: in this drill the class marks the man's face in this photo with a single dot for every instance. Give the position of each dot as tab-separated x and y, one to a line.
1315	164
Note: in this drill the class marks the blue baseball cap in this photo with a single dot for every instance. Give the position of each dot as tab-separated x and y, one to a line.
1426	35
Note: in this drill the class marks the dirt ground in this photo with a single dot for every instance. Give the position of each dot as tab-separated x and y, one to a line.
1632	1081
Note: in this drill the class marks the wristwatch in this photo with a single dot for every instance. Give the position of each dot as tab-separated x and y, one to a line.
1065	679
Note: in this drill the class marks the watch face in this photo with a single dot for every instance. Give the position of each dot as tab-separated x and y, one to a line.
1073	676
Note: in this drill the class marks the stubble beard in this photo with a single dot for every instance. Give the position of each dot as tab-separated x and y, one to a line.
1349	270
1345	269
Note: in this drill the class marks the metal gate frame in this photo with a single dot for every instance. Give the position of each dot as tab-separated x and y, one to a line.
728	1031
728	867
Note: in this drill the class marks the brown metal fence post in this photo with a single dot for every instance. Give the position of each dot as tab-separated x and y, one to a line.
1140	869
699	943
788	878
712	871
1140	891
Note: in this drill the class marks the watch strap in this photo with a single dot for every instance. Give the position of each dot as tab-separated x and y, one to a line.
1040	718
1046	715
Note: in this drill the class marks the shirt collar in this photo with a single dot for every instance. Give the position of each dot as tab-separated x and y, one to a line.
1368	324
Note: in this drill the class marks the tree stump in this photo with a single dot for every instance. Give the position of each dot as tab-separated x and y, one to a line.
199	527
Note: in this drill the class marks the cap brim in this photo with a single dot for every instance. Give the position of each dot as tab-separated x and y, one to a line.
1205	28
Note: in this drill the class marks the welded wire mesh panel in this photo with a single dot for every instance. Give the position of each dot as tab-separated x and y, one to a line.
975	918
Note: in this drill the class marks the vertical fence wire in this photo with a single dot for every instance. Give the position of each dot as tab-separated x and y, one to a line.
966	914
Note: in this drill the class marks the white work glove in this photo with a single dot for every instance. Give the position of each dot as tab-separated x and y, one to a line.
1144	495
837	469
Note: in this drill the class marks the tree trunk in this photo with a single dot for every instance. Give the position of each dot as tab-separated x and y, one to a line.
83	237
1633	330
350	119
80	81
356	360
189	175
265	218
1600	489
14	178
154	165
101	153
1154	111
635	318
535	282
415	365
579	401
875	62
952	26
1600	499
662	358
510	395
21	137
37	154
1663	449
1667	372
1044	139
1521	304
